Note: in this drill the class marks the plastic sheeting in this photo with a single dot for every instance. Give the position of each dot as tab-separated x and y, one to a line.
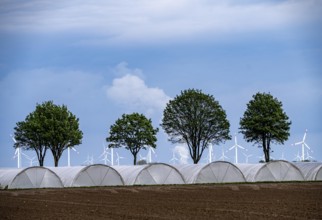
92	175
150	174
311	171
271	171
215	172
31	177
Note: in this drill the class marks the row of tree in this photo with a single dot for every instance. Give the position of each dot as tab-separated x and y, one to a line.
193	118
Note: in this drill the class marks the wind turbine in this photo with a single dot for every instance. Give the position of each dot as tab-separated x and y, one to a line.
17	152
174	158
68	151
223	156
303	145
89	161
236	146
149	155
31	160
118	159
297	157
104	155
247	156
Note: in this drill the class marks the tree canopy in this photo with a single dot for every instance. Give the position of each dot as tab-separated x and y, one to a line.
51	127
134	132
196	119
264	122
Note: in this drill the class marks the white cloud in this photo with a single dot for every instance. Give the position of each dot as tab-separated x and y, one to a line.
149	21
131	91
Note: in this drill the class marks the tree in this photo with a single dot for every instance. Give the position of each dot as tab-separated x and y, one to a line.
134	132
264	122
196	119
49	127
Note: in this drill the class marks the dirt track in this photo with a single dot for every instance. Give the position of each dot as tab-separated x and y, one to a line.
232	201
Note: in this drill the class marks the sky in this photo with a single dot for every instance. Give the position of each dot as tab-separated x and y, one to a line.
106	58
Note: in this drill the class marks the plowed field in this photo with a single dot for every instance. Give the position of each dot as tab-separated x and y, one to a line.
231	201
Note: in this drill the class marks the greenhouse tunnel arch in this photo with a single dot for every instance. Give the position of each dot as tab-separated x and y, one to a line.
273	171
312	171
214	172
32	177
150	174
91	175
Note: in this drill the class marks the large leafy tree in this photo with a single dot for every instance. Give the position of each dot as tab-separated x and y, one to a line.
264	122
51	127
196	119
134	132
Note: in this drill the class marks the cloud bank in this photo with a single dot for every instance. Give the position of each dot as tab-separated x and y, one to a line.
150	21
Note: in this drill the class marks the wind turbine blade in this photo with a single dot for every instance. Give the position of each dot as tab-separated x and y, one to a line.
307	146
298	143
241	147
13	138
304	135
232	147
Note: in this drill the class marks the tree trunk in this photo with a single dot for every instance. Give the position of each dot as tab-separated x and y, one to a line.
41	158
56	154
56	160
134	162
41	162
267	159
266	150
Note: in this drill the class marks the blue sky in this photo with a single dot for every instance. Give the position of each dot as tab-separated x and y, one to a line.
106	58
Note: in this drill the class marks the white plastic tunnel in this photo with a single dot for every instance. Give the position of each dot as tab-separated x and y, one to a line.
92	175
273	171
31	177
150	174
311	171
215	172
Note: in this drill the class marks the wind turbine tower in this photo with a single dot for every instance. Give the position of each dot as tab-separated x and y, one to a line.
68	151
112	157
303	145
149	155
17	153
210	153
236	146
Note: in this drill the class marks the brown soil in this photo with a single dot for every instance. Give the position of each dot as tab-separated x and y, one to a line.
231	201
